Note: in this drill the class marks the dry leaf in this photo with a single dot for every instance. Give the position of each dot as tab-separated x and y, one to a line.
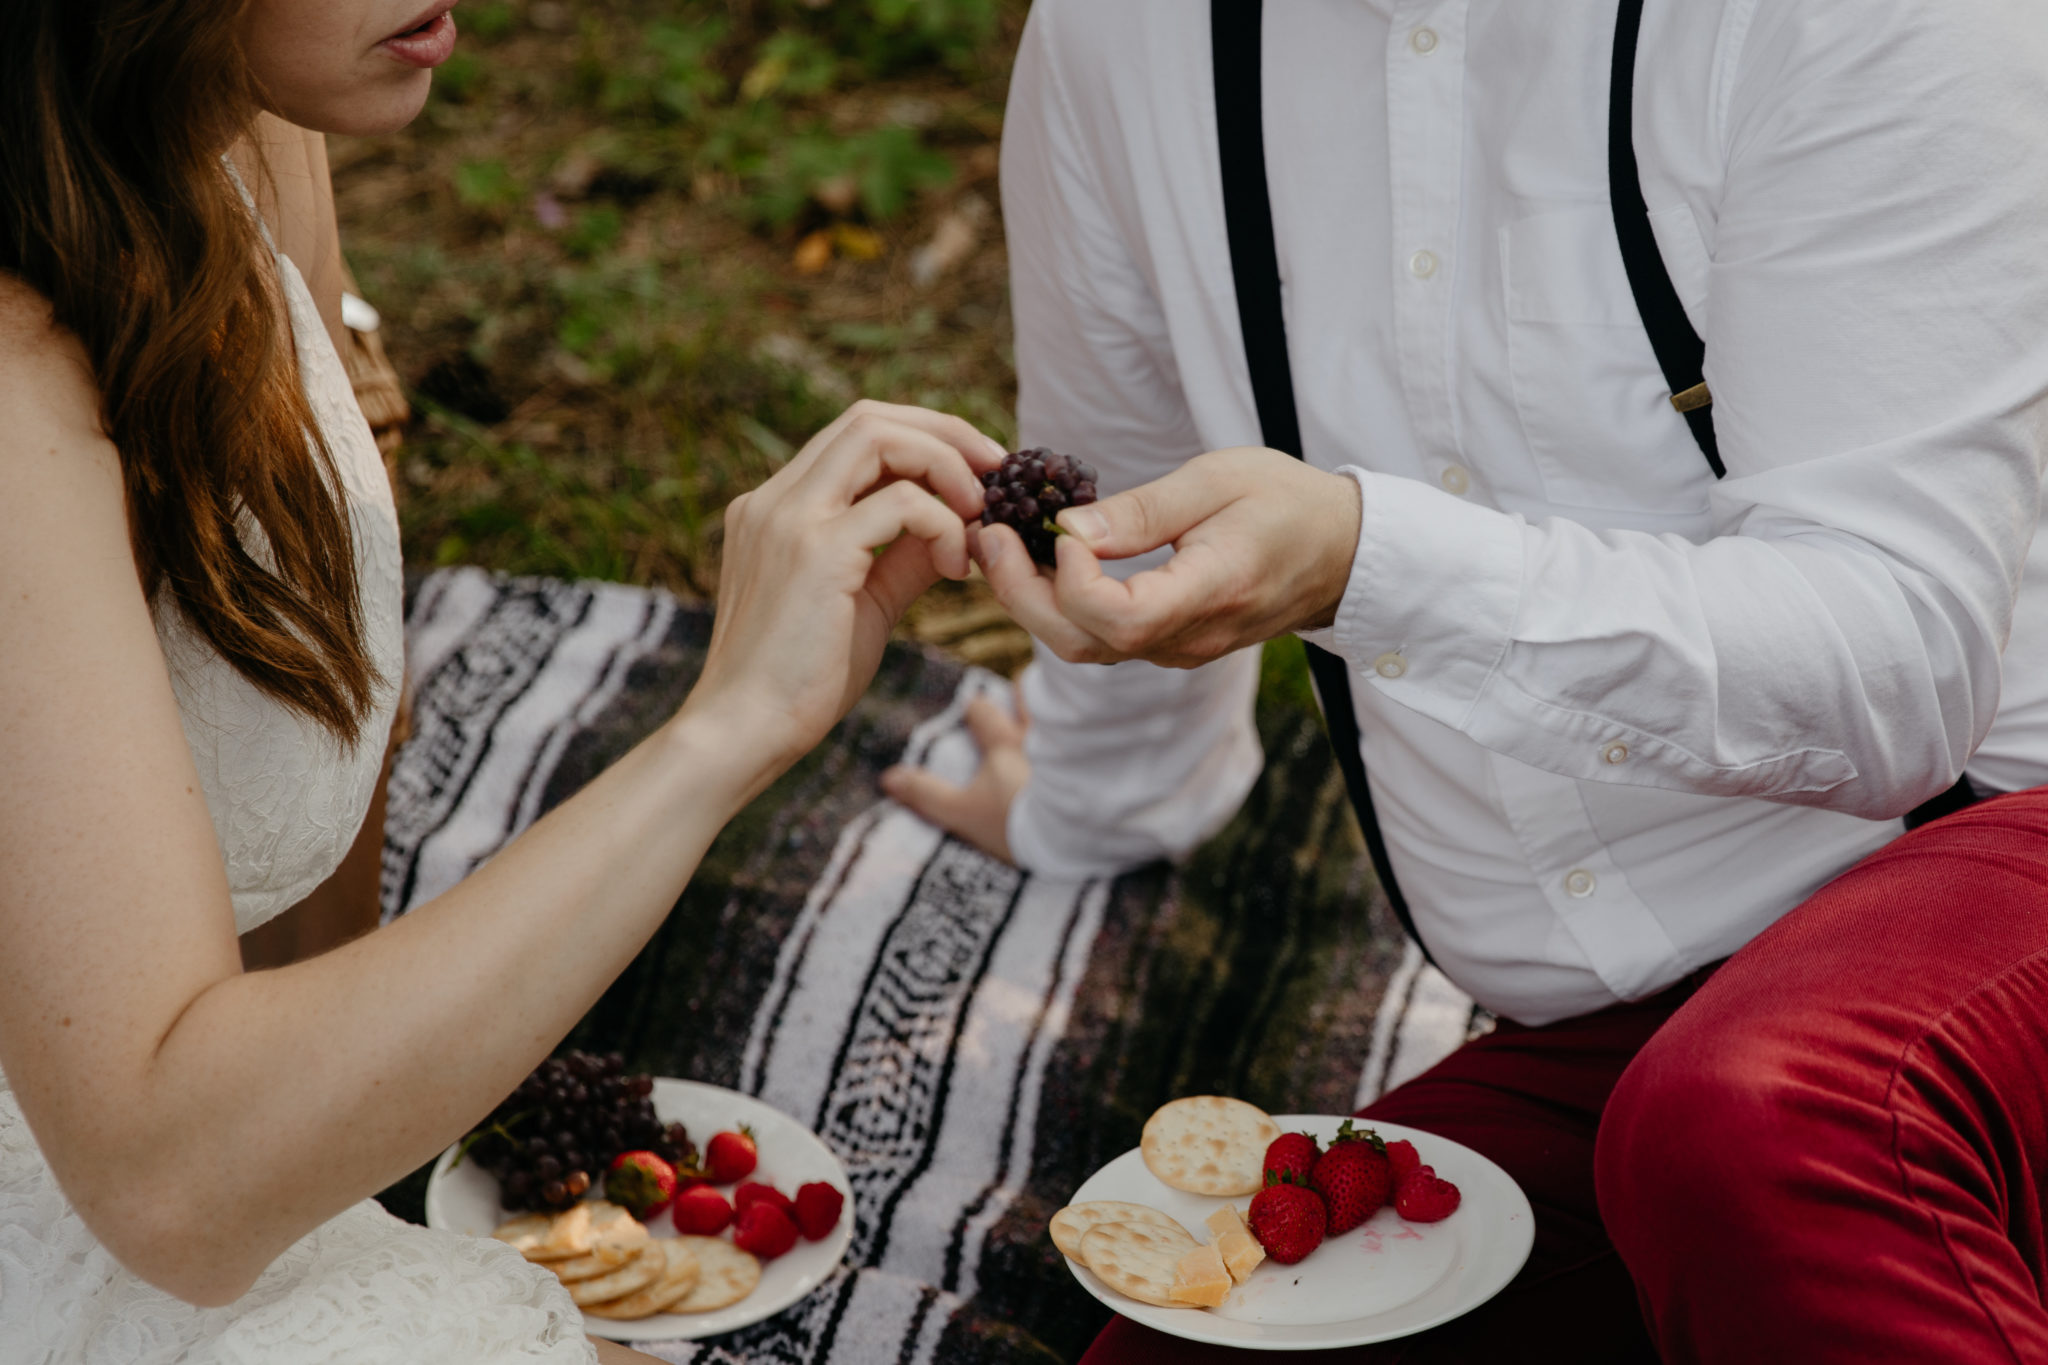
813	253
856	243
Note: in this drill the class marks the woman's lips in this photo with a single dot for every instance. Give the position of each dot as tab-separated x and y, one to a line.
427	46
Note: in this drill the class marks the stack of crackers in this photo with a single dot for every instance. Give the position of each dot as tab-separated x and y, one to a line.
1208	1145
614	1268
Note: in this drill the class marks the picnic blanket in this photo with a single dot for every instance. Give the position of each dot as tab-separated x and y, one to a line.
971	1041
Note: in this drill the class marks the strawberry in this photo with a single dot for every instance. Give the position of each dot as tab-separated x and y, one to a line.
1401	1155
754	1192
1292	1156
701	1211
764	1230
1425	1197
1288	1220
641	1182
1353	1177
817	1209
731	1156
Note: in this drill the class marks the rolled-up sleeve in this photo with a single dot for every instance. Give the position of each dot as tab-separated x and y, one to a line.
1130	762
1877	345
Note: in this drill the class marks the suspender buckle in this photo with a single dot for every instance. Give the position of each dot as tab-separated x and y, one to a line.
1692	399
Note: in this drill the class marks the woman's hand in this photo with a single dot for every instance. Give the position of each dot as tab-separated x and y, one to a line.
805	604
1263	545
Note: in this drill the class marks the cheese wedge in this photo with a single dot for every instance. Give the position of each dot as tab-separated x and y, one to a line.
1200	1279
1241	1251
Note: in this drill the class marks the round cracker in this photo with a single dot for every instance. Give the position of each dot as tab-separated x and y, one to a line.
1209	1144
725	1275
525	1233
683	1272
1137	1260
644	1269
616	1237
1071	1223
569	1235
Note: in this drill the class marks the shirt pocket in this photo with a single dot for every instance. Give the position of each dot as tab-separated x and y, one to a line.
1591	398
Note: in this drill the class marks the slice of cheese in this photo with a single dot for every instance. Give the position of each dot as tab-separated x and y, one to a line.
1241	1251
1200	1279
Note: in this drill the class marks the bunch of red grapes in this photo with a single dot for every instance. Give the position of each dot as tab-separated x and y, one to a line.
1029	489
553	1137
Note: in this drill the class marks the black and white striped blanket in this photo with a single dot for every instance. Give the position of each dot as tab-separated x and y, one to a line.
972	1042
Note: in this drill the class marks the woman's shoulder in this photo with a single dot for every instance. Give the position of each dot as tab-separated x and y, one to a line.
47	388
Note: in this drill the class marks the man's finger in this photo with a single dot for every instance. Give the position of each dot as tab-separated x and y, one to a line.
1147	609
1152	514
1028	596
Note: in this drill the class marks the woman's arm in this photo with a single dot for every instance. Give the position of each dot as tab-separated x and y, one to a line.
202	1119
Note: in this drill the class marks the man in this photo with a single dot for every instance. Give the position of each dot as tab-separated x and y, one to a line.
1620	717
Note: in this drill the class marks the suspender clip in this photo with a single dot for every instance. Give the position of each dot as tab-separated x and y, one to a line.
1692	399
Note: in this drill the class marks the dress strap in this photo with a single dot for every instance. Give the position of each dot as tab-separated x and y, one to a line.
241	187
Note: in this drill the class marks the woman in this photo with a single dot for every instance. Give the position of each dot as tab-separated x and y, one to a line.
199	598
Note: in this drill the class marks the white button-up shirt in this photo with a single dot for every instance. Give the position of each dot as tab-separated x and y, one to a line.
1619	717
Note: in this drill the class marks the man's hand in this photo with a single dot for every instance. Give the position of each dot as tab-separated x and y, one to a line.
1263	546
980	811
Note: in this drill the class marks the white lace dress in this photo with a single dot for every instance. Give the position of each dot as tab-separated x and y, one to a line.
364	1288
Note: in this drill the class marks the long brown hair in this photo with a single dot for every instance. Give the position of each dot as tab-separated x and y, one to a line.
116	206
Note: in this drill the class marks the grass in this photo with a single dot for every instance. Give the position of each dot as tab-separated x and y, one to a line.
633	254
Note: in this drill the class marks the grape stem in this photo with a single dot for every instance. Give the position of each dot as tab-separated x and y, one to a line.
502	1128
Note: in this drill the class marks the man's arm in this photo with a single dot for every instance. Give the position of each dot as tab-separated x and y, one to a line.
1876	349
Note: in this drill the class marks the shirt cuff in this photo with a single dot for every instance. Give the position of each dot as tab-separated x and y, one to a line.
1435	586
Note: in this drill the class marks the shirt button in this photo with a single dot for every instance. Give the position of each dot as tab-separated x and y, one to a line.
1616	752
1422	264
1423	40
1579	883
1390	665
1455	480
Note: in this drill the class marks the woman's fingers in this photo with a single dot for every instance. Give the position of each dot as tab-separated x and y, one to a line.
900	576
868	420
908	509
868	455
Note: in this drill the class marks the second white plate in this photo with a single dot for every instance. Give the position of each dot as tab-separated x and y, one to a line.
1386	1279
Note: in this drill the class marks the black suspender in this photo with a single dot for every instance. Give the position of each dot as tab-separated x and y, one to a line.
1236	32
1680	352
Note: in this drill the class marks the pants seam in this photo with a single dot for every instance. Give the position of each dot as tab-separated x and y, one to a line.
1899	1161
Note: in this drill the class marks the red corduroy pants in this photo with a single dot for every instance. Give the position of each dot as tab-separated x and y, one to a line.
1833	1149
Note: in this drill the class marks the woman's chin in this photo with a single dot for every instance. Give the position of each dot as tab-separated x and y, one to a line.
363	109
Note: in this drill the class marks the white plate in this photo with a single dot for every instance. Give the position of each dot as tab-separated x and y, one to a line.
465	1199
1386	1279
